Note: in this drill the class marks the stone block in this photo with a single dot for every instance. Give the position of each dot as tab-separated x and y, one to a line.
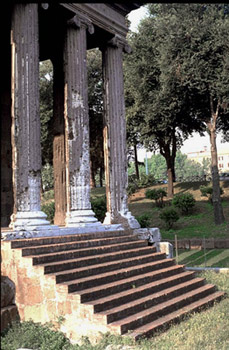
220	243
209	243
153	234
165	247
195	243
34	295
9	314
183	244
7	291
226	243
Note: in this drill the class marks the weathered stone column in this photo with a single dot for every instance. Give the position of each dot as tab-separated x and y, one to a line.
59	153
115	135
79	211
6	120
25	119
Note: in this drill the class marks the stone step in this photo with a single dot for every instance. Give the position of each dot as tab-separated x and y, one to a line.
129	295
104	278
151	314
101	291
33	242
176	316
60	247
96	259
146	302
77	253
95	270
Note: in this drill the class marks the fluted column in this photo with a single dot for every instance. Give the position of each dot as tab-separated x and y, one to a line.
59	154
115	135
25	118
79	211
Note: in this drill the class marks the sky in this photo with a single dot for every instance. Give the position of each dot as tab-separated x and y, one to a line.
195	142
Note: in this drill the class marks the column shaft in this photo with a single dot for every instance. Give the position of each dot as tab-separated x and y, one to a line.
6	120
115	138
59	154
77	129
25	117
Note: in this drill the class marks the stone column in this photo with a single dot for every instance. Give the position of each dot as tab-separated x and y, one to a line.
6	148
25	119
115	135
79	211
59	153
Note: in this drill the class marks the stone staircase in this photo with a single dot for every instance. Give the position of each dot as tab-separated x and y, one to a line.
103	282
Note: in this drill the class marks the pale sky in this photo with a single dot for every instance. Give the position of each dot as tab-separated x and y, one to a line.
196	142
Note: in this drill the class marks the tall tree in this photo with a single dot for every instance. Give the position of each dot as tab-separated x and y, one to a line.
157	106
46	110
197	47
95	102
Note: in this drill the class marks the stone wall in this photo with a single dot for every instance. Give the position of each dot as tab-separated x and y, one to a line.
198	243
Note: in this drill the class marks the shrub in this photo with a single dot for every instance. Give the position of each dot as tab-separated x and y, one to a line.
157	195
34	336
146	180
132	188
48	195
49	210
169	215
144	220
132	184
185	202
47	177
99	206
206	191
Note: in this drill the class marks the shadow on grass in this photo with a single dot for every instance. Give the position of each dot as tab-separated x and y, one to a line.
212	258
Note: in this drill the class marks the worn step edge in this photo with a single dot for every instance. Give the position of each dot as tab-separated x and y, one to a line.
93	293
36	242
96	259
138	305
102	268
71	254
107	302
174	317
134	321
77	245
118	275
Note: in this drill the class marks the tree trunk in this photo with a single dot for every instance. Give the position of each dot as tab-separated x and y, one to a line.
170	156
101	177
92	176
170	171
216	199
136	161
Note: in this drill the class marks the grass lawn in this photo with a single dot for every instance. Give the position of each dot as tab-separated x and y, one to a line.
199	224
212	258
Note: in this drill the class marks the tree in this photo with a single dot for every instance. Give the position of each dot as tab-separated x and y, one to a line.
198	51
46	111
95	103
157	107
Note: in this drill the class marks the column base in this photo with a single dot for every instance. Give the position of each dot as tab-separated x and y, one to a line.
28	220
81	218
124	218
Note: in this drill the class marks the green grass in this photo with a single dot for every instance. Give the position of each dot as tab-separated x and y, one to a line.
212	258
200	222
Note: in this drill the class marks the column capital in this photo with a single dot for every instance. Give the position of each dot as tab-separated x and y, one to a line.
79	20
118	41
